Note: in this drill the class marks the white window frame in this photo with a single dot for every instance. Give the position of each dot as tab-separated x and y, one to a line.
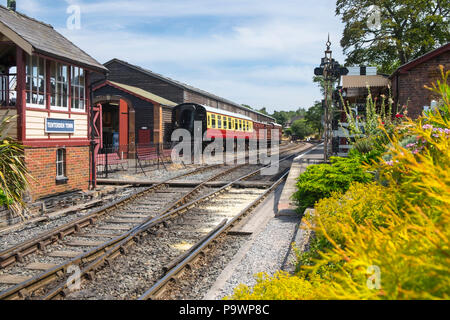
31	77
59	86
61	161
77	88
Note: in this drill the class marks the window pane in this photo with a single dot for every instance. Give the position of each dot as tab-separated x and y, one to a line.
53	71
27	66
75	76
41	68
64	74
34	66
65	94
81	78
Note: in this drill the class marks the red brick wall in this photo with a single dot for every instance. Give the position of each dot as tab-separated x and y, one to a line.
42	165
411	84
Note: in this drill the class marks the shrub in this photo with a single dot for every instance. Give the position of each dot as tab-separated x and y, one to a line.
13	172
281	286
397	235
319	181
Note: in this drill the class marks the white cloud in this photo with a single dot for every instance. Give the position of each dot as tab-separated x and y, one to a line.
272	53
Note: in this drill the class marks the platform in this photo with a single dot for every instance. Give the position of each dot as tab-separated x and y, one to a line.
287	206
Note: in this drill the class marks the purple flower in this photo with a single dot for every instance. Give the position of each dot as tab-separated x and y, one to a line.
411	145
427	126
390	163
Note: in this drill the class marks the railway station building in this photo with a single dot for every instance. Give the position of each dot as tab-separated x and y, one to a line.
409	79
133	82
44	82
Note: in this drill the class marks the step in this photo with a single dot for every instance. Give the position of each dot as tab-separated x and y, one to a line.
40	266
84	243
13	279
65	254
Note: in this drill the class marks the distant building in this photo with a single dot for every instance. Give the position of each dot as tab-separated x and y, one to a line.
408	80
355	90
292	120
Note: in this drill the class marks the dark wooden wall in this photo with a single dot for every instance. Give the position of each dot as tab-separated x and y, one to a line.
127	75
133	76
143	109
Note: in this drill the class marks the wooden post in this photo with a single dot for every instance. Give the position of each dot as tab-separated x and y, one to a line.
157	125
21	94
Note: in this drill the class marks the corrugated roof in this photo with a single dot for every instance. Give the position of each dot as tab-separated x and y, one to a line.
44	39
142	93
364	81
186	86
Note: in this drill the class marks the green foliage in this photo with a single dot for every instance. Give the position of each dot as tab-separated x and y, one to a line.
314	117
279	287
407	30
283	117
301	129
401	229
13	172
319	181
4	200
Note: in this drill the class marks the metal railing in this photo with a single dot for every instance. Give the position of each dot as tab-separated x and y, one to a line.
116	160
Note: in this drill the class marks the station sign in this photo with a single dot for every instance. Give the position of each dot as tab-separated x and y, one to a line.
59	125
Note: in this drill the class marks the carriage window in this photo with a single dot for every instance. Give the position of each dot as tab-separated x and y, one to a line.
219	122
230	124
240	125
225	123
213	121
250	126
209	121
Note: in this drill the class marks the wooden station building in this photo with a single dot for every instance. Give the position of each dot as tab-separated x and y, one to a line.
43	80
140	102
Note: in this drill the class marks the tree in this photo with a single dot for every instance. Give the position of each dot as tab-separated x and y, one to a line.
314	117
281	117
393	32
301	129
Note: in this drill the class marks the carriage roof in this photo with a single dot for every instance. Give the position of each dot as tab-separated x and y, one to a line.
225	113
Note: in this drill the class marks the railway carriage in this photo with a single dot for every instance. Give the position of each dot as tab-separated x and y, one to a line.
220	123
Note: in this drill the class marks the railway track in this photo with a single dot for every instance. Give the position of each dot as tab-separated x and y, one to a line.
99	237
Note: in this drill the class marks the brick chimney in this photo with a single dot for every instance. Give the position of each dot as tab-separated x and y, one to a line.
12	5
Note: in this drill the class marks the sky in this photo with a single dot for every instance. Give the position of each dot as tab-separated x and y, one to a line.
256	52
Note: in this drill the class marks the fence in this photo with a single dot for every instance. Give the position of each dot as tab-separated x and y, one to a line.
114	160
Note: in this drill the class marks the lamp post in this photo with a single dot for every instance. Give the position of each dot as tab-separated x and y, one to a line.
331	71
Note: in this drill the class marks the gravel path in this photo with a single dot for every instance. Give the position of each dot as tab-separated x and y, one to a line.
268	252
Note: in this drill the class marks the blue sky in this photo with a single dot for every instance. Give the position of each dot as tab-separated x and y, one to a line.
260	53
